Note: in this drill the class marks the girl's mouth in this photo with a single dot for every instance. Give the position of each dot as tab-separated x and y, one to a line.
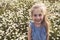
38	20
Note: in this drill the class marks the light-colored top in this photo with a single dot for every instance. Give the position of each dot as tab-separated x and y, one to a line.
38	33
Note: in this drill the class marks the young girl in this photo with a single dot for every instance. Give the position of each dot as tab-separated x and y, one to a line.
38	29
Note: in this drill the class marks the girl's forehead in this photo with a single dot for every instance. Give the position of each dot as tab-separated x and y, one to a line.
38	11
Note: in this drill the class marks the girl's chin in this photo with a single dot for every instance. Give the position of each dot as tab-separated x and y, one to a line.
38	22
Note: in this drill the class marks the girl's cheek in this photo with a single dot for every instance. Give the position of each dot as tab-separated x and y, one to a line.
33	18
41	17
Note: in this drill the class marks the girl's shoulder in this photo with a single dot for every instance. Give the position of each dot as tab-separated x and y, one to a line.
31	24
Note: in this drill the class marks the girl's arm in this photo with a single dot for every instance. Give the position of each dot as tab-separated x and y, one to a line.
47	29
29	33
47	36
47	33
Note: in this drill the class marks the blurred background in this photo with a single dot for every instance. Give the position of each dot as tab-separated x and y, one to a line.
14	18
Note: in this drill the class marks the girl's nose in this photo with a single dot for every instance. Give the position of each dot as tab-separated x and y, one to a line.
38	17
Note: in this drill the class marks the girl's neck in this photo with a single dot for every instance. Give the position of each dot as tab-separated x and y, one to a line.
37	24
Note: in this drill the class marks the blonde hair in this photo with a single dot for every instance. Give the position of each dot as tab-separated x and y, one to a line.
43	8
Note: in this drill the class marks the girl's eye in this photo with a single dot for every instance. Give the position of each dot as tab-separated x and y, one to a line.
40	14
35	15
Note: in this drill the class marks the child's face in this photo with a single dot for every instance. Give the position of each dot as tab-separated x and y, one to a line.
37	16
